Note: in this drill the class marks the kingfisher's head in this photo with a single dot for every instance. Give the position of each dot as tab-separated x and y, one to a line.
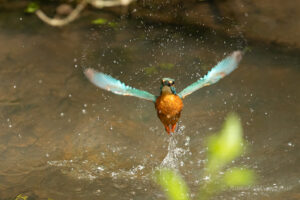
168	85
167	82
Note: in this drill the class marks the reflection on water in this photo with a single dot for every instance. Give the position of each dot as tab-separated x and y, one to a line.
63	138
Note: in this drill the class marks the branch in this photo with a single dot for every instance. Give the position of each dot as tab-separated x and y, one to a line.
102	3
76	12
61	22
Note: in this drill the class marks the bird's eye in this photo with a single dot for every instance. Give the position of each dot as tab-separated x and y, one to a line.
171	82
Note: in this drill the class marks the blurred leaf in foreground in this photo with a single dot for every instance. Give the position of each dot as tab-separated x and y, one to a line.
173	184
239	177
21	197
227	145
32	7
223	148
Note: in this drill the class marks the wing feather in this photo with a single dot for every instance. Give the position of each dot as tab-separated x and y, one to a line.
222	69
113	85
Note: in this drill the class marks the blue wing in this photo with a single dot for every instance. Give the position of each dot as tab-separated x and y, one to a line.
222	69
113	85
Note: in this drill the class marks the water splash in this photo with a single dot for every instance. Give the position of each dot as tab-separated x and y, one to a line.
172	159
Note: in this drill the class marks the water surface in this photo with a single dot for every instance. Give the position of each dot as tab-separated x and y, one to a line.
63	138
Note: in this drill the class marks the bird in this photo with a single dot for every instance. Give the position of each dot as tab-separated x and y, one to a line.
169	103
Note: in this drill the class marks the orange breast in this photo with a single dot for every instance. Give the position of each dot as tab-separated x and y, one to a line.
169	105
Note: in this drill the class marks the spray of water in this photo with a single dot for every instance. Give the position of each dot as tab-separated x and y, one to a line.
172	159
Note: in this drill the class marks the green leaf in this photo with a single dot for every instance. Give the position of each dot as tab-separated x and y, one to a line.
32	7
239	177
99	21
173	184
227	145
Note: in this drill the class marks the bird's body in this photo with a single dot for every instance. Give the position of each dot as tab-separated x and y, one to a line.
168	104
169	107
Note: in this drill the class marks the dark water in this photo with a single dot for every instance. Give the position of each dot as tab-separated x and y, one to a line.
62	138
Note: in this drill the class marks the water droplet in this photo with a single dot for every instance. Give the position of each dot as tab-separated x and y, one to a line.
291	144
206	178
98	191
114	174
100	168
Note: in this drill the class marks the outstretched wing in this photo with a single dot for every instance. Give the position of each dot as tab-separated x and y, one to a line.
113	85
222	69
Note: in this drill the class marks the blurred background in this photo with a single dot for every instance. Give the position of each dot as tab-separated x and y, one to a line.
63	138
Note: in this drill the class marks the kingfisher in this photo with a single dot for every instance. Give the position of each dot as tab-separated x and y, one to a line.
169	103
